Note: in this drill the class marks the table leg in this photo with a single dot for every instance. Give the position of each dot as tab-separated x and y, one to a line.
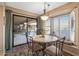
32	48
44	47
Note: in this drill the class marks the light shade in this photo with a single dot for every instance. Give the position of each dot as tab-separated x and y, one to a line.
18	26
44	17
25	23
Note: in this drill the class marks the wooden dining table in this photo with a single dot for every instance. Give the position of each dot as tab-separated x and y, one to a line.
44	40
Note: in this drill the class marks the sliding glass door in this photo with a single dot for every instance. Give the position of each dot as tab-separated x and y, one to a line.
19	30
22	28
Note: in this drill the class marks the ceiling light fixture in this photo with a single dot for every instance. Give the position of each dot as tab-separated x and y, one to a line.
44	17
21	25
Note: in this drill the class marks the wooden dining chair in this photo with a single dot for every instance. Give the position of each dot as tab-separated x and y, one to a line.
56	50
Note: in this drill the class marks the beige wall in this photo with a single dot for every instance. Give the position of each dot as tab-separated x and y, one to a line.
62	9
1	30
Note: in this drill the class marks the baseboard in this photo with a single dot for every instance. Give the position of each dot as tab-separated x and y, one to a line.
19	44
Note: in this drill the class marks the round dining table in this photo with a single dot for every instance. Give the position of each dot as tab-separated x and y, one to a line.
44	40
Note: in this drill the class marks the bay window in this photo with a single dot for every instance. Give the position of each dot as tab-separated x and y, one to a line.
60	25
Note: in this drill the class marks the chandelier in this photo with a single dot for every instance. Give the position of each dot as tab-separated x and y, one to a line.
44	17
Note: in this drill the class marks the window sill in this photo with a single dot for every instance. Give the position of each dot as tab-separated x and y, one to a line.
71	49
69	42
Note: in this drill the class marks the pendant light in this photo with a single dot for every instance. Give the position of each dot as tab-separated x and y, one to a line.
44	17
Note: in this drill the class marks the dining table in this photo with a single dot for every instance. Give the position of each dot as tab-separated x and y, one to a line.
43	40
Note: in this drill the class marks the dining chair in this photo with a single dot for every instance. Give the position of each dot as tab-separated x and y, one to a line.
57	49
34	47
29	43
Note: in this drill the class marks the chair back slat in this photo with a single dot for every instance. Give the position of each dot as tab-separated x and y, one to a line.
59	46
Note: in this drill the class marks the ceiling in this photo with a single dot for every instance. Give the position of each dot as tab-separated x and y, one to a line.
34	7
